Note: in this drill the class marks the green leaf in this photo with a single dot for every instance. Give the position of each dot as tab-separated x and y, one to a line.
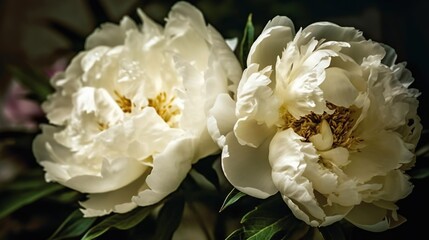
205	168
74	226
23	195
232	197
35	82
264	228
333	232
419	173
169	218
246	41
236	235
65	197
270	219
120	221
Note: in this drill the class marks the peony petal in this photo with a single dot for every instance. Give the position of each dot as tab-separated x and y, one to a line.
118	201
269	45
255	97
381	154
369	217
150	27
338	156
186	12
280	21
332	32
358	51
337	88
288	157
323	140
225	57
323	180
139	137
188	32
247	168
110	34
250	133
396	186
112	176
170	167
221	118
94	55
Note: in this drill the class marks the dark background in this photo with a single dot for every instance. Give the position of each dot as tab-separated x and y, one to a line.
34	33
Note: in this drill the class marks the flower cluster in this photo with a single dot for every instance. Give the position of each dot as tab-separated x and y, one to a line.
321	116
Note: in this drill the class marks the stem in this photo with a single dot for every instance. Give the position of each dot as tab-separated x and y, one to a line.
200	220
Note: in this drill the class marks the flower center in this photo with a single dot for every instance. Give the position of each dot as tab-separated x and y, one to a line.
165	107
340	121
124	103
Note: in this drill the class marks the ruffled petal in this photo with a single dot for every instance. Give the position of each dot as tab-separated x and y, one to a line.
221	118
249	132
269	45
396	186
111	177
332	32
381	154
226	58
118	201
247	168
110	34
169	169
337	88
369	217
280	21
255	97
288	157
323	140
139	137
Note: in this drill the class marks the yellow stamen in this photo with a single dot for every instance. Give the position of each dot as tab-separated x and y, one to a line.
340	121
124	103
102	126
165	107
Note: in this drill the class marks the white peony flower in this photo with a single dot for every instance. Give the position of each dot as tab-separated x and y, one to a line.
324	117
128	117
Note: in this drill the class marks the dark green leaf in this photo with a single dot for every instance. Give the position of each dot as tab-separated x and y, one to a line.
232	197
269	220
25	194
74	226
236	235
119	221
333	232
419	173
300	231
264	228
68	196
205	168
169	218
35	82
246	41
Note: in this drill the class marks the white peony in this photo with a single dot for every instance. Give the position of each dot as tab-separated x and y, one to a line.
128	117
324	117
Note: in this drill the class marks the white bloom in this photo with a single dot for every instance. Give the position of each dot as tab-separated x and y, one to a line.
324	117
129	113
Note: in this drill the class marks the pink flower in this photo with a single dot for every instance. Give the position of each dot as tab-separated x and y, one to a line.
20	111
